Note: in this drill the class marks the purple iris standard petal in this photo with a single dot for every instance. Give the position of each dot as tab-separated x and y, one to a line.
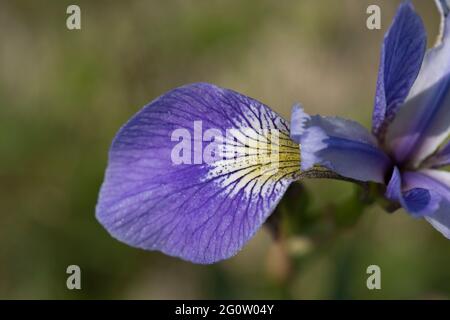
438	182
401	57
423	123
340	145
200	211
415	199
436	63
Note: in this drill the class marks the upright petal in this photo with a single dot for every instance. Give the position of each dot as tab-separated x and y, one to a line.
423	123
436	64
340	145
401	57
169	187
437	182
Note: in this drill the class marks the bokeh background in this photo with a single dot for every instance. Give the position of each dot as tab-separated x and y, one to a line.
64	94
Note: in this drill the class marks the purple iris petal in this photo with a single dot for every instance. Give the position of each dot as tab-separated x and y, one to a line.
401	57
201	212
440	159
415	199
436	64
299	118
438	182
423	123
340	145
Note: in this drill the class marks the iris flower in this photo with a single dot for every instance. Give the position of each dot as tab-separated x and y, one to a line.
408	146
205	211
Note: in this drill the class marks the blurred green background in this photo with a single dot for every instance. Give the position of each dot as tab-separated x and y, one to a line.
64	94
